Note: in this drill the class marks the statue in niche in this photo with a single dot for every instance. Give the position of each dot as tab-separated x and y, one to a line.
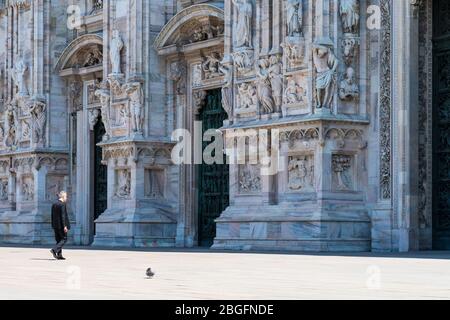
243	26
227	88
38	112
264	87
123	184
294	11
4	190
348	88
326	65
11	124
210	65
116	48
276	80
178	75
349	12
104	95
18	75
136	95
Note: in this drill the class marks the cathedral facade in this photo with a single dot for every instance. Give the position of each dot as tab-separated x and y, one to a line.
332	114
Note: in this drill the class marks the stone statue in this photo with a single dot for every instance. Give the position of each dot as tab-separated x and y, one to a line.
94	115
38	112
264	87
11	125
349	11
294	11
105	96
276	80
116	48
348	88
326	64
136	95
178	75
243	27
227	88
4	190
18	75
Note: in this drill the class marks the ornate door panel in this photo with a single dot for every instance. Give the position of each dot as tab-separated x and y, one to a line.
213	179
441	126
100	173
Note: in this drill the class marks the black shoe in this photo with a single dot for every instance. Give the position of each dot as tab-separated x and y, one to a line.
61	258
54	254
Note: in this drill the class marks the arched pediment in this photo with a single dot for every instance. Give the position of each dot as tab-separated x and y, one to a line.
194	24
84	51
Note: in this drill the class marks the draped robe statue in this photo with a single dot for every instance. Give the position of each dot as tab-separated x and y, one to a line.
243	27
349	12
116	48
294	10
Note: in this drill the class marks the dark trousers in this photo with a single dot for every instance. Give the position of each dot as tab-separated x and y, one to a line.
61	239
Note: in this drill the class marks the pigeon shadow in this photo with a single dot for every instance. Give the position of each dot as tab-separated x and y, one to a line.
36	259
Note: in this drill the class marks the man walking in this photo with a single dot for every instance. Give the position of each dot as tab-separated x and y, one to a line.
60	225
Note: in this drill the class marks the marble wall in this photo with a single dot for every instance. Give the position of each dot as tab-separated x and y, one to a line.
319	79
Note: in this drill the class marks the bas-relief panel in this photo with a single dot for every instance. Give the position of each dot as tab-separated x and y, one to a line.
155	183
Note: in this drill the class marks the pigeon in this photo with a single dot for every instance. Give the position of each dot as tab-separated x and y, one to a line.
149	273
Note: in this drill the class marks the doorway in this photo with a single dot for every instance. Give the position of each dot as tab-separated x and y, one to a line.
213	179
441	125
100	173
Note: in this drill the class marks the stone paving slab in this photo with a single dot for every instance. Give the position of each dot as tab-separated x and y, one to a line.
31	273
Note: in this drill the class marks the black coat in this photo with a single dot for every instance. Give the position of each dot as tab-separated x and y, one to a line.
60	218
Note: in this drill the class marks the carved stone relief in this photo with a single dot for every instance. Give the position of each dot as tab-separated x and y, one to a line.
348	88
211	66
301	173
342	175
123	184
249	179
154	183
27	188
4	189
247	97
54	185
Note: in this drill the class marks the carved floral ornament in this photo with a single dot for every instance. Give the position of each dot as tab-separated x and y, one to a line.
50	161
137	153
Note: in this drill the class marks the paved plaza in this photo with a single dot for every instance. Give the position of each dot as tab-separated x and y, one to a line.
30	273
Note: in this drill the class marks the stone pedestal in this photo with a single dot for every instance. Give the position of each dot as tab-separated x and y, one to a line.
139	212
